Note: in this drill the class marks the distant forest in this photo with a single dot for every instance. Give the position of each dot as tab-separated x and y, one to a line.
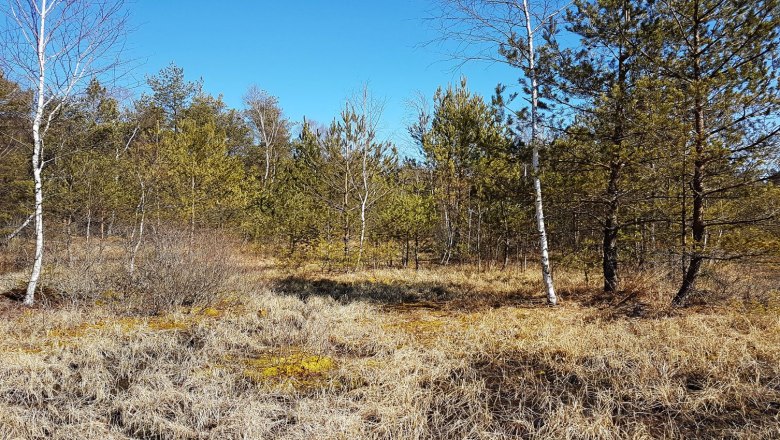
650	145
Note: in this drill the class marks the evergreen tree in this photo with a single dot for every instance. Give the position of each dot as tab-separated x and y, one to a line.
173	93
723	58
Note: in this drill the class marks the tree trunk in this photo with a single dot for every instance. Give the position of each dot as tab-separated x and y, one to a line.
479	238
89	225
406	256
267	163
416	251
609	247
697	183
552	299
363	203
697	227
37	160
29	298
142	209
611	228
506	243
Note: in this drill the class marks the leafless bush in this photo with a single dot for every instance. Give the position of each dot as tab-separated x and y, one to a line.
13	256
176	271
81	271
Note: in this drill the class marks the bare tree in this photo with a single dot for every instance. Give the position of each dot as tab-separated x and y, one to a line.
268	124
506	31
376	157
53	46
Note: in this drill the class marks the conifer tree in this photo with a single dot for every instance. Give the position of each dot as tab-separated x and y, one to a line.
722	57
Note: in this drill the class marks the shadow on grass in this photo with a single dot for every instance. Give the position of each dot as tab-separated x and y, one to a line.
422	294
44	296
465	297
533	387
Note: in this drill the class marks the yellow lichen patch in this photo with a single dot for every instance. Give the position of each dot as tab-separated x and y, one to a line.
25	350
125	325
111	294
78	331
298	369
209	312
230	305
169	323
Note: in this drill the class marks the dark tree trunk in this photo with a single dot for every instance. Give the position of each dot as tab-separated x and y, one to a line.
697	183
416	251
611	227
609	246
698	229
406	254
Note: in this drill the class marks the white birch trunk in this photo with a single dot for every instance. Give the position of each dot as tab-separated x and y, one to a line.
363	202
268	151
137	247
545	257
362	231
37	160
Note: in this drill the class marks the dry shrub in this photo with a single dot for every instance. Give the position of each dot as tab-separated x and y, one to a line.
85	277
748	283
174	271
169	270
13	256
7	261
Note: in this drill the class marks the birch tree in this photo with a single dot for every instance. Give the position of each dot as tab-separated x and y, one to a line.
269	127
509	31
377	158
52	47
349	169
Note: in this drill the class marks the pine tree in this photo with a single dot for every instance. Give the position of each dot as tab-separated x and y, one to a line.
723	58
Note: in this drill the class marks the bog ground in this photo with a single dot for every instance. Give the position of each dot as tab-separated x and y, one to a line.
395	354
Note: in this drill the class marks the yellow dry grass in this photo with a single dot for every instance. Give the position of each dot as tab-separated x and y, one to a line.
394	354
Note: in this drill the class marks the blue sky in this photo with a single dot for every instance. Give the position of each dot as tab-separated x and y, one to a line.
312	55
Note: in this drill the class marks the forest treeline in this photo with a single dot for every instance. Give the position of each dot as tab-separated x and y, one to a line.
658	135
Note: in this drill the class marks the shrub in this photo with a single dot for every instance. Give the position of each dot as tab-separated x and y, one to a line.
176	271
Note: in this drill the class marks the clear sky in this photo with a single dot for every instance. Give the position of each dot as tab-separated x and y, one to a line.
312	55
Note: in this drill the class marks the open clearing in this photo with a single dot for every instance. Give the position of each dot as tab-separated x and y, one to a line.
435	353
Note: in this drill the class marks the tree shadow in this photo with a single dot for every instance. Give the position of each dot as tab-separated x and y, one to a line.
45	296
454	296
405	294
536	385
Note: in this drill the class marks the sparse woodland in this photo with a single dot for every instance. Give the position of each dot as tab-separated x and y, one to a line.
591	252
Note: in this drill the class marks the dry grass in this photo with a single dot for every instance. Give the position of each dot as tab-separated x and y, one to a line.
392	354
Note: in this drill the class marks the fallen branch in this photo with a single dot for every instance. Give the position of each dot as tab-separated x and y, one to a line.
18	230
628	297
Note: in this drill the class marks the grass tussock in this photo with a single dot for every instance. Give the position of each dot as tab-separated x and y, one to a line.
438	353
